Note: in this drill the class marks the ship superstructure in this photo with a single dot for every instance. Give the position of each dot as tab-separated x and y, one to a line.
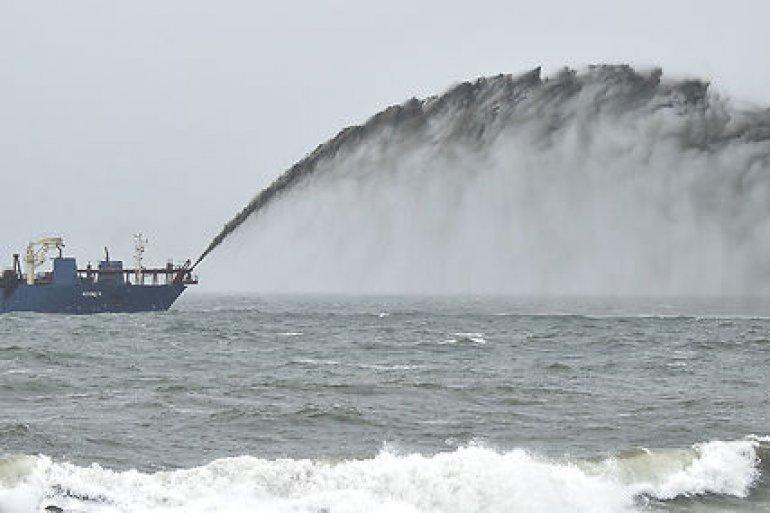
107	288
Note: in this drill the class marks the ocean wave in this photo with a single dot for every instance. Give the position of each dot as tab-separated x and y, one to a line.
466	338
13	429
470	478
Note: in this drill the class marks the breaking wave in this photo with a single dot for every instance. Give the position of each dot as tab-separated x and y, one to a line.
607	180
468	479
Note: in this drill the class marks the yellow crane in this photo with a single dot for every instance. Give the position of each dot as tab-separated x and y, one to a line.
37	252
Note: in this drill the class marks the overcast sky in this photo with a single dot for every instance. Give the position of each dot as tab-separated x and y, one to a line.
167	116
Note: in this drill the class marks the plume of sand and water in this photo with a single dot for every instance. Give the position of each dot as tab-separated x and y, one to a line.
604	180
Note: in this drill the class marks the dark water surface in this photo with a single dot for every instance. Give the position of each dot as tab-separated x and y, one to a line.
326	403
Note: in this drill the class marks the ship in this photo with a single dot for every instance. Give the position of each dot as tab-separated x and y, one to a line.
108	288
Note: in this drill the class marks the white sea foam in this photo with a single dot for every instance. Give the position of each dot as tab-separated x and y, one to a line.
467	479
723	468
311	361
388	367
466	338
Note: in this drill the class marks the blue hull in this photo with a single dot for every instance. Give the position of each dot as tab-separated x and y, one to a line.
89	298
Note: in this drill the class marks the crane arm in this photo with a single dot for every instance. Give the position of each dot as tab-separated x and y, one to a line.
37	253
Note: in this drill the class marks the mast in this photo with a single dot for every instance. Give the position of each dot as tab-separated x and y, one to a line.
139	248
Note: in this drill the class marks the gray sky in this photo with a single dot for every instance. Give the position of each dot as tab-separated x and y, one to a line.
168	116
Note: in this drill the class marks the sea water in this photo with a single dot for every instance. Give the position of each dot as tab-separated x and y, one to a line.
389	404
